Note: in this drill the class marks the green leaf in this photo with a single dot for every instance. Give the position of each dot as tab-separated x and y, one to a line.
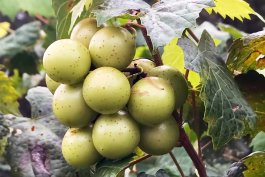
62	10
227	8
248	53
155	163
110	168
8	96
116	8
77	11
252	85
34	144
33	7
169	18
258	142
159	173
235	33
20	40
173	56
227	113
255	163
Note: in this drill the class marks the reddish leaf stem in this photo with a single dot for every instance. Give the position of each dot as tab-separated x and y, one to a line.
197	120
193	35
192	153
154	52
177	164
137	161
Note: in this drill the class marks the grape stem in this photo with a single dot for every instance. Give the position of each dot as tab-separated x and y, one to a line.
154	52
192	153
177	164
132	163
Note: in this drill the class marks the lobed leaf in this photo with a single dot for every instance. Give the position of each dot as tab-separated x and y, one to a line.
8	96
116	8
227	113
255	164
169	18
247	53
77	11
34	145
62	9
155	163
20	40
227	8
111	168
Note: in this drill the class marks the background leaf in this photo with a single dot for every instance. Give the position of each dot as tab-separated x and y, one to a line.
226	112
169	18
111	168
4	27
258	142
252	85
227	8
255	163
248	53
34	145
62	9
155	163
78	9
173	56
20	40
8	96
33	7
115	8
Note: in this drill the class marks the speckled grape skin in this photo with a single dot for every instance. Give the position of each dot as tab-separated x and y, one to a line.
67	61
176	79
143	63
51	84
84	30
152	101
115	136
78	148
159	139
69	106
112	46
106	90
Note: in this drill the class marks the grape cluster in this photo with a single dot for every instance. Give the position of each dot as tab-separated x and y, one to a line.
108	115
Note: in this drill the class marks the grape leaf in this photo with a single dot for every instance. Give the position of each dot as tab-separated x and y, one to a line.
8	96
247	53
169	18
77	11
159	173
252	85
20	40
227	113
155	163
173	56
235	33
4	27
62	10
115	8
34	144
227	8
111	168
255	163
33	7
258	142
